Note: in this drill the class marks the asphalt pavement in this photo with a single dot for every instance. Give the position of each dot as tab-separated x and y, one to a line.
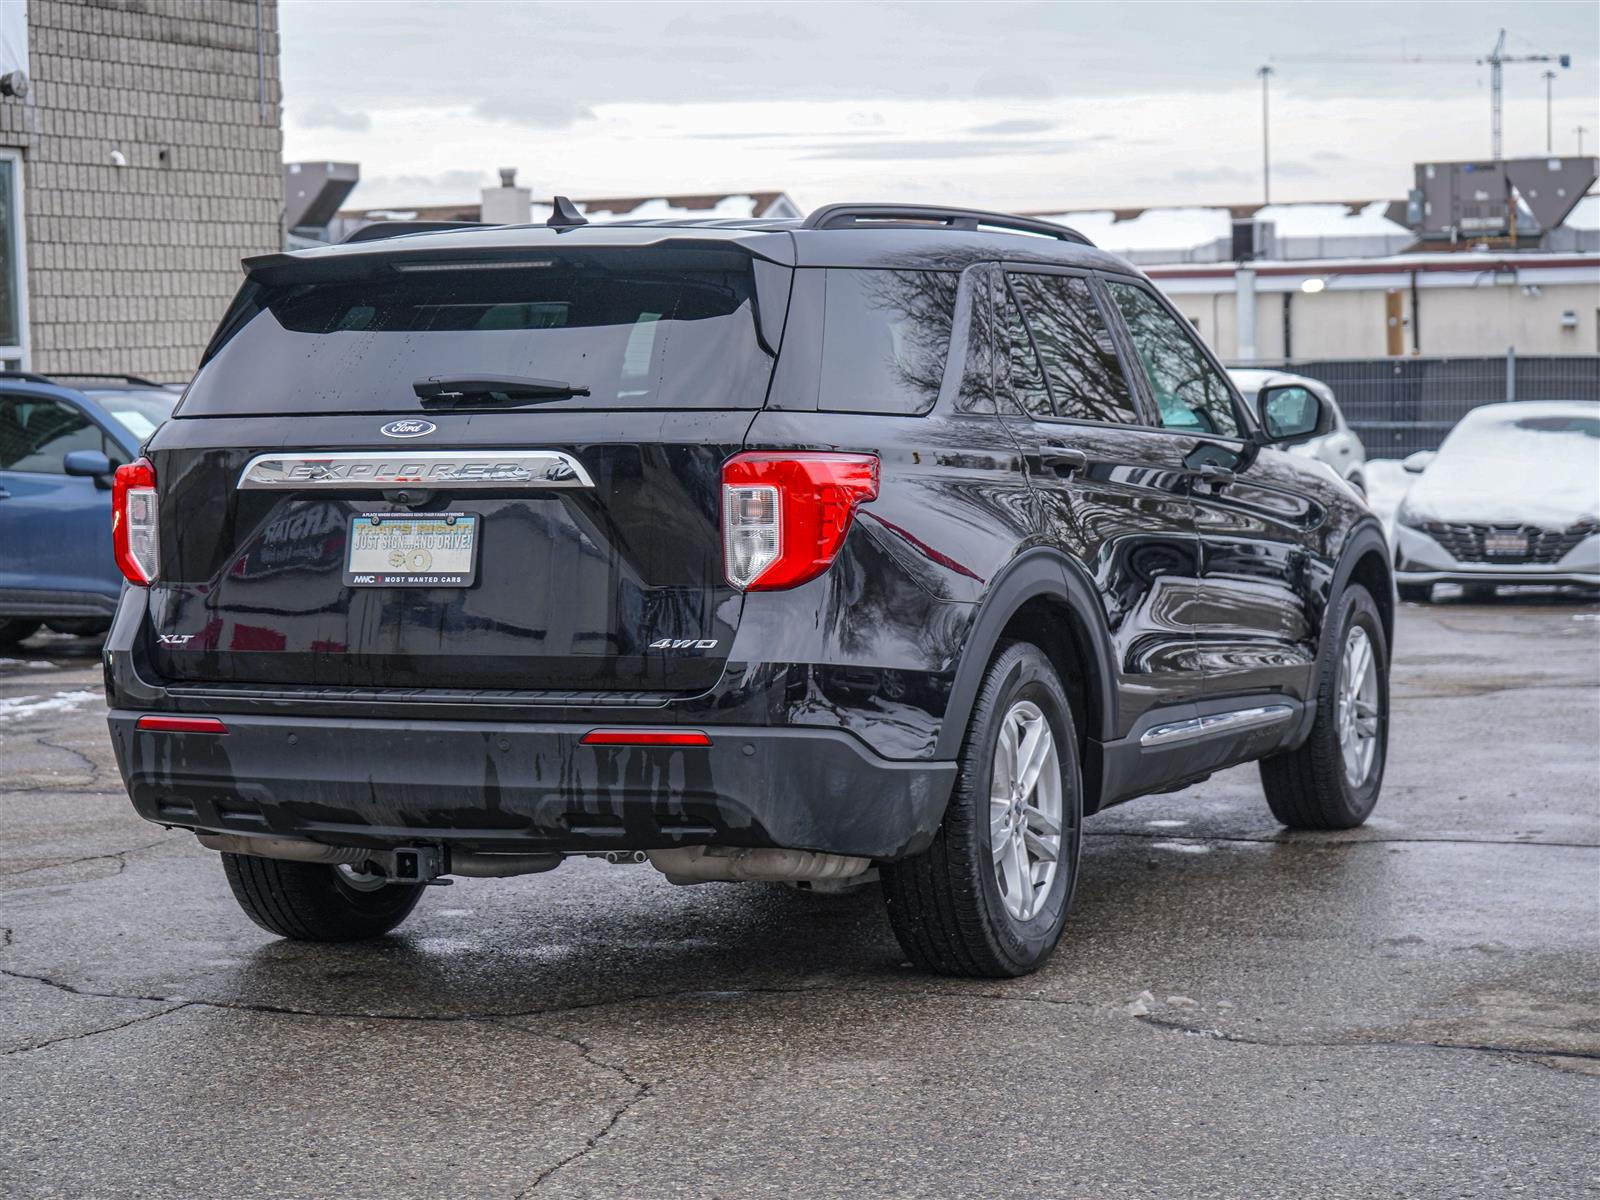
1411	1009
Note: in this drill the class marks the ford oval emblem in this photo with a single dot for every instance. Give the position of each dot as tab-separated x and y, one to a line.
408	429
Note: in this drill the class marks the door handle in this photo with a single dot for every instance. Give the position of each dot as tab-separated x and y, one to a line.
1063	458
1217	477
4	495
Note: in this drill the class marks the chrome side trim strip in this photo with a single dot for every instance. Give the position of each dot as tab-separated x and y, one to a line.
1227	722
455	469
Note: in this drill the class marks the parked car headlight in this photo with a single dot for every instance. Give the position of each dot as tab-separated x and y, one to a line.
1404	516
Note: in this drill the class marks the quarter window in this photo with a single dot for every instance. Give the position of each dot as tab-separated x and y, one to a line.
1080	362
1190	394
886	335
35	434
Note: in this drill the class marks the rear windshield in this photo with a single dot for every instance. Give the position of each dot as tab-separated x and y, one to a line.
641	328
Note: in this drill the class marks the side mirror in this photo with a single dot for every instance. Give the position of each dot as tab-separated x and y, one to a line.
92	463
1416	464
1291	413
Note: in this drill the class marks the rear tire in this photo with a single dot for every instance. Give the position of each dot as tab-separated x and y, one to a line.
1313	787
312	902
16	629
963	907
1415	593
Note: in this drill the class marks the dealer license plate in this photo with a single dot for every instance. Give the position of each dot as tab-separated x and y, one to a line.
436	550
1505	543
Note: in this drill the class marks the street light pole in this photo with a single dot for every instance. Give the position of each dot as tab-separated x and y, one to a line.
1549	112
1266	142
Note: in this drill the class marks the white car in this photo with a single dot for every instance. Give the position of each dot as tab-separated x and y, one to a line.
1341	449
1512	496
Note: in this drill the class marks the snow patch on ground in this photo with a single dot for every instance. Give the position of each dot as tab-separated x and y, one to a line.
14	708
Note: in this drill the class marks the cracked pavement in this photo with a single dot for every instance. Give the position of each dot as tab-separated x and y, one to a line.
1409	1009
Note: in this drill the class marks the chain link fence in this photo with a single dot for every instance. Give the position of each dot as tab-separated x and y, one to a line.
1401	405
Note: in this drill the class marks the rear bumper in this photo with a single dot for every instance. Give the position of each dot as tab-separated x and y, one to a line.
43	603
528	787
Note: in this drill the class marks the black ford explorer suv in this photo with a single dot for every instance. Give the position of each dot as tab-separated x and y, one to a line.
894	539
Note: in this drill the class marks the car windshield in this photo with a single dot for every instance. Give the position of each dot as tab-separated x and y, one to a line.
138	410
1543	435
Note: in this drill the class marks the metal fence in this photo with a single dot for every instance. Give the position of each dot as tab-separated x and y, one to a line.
1401	405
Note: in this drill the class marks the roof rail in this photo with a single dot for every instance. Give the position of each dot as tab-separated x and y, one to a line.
388	229
134	380
867	216
26	377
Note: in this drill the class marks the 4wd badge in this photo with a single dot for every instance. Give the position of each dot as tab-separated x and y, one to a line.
684	644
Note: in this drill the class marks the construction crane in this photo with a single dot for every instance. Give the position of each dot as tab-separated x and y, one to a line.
1496	59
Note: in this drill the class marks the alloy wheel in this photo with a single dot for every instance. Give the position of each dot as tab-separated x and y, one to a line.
1356	709
1025	809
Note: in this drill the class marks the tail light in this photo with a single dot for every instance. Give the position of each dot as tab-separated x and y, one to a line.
785	514
133	521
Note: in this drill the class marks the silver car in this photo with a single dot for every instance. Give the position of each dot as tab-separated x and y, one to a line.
1512	496
1341	449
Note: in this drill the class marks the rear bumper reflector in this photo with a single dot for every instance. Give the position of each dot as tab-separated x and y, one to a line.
181	725
646	737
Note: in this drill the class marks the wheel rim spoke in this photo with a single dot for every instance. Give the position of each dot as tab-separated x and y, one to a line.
1025	810
1357	715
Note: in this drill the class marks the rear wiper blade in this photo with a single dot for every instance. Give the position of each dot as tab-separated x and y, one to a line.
447	389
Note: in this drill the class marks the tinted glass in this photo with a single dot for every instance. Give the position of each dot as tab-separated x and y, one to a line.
35	434
1190	394
641	328
885	339
1080	361
1024	373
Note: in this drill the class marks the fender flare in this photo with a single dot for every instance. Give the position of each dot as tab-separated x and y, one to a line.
1037	572
1367	536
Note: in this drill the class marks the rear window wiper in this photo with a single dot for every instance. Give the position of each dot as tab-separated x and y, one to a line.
453	389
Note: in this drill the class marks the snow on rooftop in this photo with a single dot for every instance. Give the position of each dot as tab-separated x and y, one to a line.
1152	229
1585	214
1331	220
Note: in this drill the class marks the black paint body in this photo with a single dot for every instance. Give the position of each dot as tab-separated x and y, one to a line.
836	709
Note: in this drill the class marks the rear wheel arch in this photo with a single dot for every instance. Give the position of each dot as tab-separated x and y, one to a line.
1043	598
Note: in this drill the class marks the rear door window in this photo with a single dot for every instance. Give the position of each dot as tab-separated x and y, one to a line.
647	328
1079	358
886	336
1190	394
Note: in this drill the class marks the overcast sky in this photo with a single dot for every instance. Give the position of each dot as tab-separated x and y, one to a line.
1021	106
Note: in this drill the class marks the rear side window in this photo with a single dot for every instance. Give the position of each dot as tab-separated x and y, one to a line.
649	328
1080	361
36	433
886	336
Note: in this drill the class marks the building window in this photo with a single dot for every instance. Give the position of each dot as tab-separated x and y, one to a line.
13	278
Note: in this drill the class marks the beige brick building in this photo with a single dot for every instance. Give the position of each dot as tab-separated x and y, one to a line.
141	165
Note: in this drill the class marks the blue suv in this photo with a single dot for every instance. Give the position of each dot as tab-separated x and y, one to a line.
61	439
